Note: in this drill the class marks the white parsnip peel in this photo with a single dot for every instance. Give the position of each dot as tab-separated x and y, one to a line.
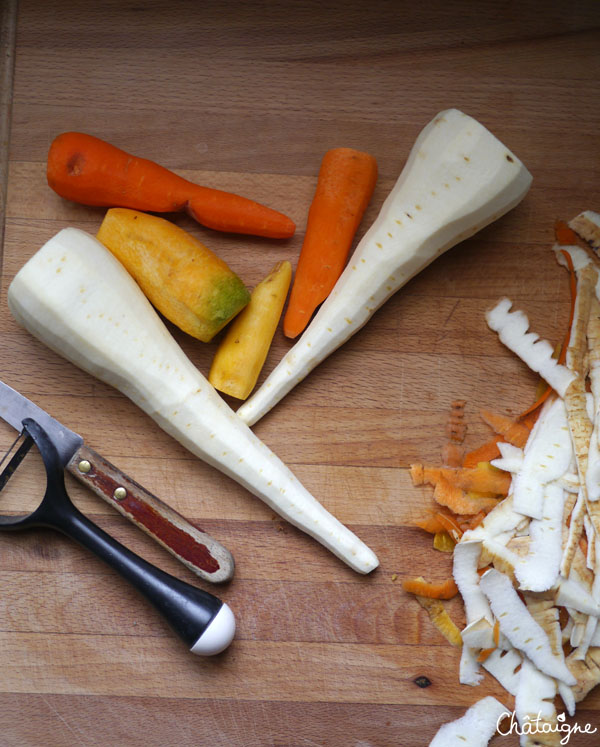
512	328
529	574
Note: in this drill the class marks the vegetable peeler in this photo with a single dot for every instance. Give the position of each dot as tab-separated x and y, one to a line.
205	623
197	550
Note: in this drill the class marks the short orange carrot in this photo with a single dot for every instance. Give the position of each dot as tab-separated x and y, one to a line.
497	633
90	171
565	235
484	654
344	188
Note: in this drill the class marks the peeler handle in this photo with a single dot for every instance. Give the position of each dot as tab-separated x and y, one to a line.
205	623
193	547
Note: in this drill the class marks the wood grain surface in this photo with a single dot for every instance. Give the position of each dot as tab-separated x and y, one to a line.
247	96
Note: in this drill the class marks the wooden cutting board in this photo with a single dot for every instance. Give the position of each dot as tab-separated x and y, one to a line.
247	97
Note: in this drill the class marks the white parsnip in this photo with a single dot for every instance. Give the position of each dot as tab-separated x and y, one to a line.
79	300
458	179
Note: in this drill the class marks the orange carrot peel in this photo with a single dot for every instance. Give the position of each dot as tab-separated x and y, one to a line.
444	590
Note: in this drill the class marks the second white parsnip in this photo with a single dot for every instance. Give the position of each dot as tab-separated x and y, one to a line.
458	179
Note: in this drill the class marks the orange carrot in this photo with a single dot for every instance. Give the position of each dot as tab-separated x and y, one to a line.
450	525
445	590
475	521
344	187
497	633
538	403
484	654
430	524
90	171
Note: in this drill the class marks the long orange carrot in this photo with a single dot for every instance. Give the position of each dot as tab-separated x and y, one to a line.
344	187
88	170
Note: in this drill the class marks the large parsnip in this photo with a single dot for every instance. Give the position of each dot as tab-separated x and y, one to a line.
76	297
457	179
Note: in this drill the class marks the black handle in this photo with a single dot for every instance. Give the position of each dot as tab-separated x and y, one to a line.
188	610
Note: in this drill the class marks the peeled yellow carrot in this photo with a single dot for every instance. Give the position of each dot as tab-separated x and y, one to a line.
182	278
441	619
241	355
443	542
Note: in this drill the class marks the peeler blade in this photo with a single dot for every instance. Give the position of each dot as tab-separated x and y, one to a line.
196	549
14	408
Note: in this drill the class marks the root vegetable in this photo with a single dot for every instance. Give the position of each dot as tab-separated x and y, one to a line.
458	179
76	297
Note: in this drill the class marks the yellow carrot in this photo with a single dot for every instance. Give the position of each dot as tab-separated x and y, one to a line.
189	284
241	355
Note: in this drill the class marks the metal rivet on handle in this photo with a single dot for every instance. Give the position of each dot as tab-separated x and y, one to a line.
119	494
84	466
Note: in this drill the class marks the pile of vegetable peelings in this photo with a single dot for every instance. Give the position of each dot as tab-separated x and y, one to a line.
521	517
